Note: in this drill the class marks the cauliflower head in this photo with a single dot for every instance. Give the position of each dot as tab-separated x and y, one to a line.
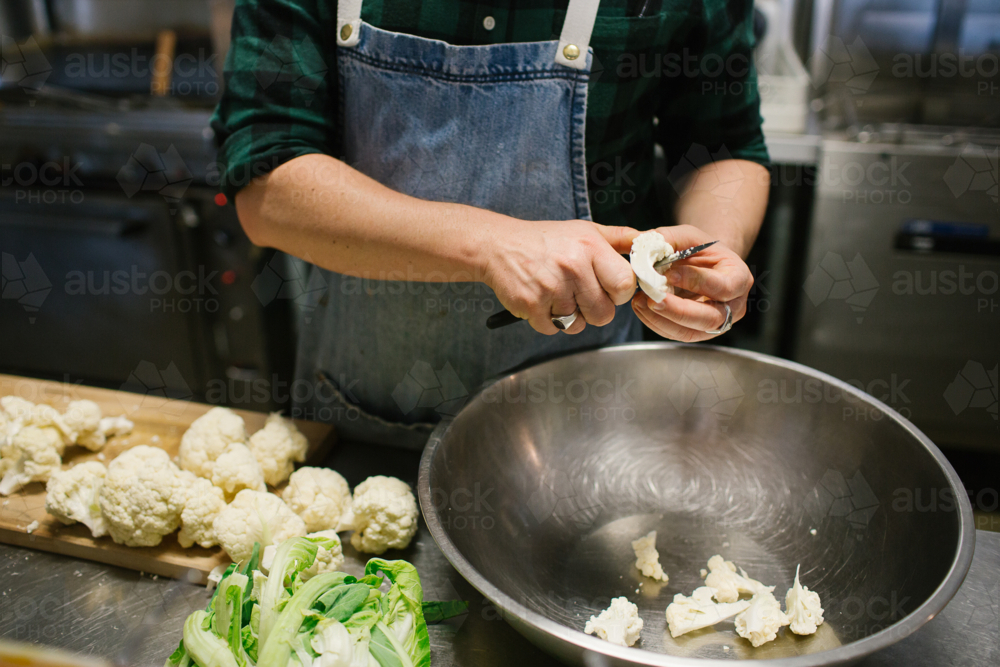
142	497
84	417
327	560
31	455
202	503
761	620
255	516
236	469
72	496
728	584
687	614
319	495
207	439
278	446
803	608
647	558
385	515
619	624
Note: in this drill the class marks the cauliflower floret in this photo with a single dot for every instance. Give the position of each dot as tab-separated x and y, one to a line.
16	408
647	249
71	496
802	606
686	614
327	560
647	558
319	495
32	455
385	515
723	578
6	426
120	425
619	624
14	412
202	503
277	447
762	619
255	516
46	416
236	469
208	437
142	497
84	417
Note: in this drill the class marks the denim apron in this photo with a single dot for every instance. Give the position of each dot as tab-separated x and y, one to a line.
498	127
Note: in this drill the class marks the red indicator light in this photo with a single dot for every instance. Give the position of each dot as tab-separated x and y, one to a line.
220	199
228	277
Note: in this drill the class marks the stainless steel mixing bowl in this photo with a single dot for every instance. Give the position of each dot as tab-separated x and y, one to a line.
536	488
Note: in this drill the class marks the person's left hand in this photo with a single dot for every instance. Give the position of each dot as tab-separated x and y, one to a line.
703	283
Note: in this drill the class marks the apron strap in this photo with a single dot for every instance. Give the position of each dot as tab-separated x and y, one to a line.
573	41
348	22
575	38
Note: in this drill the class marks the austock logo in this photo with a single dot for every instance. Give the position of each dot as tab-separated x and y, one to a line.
24	282
297	63
837	496
723	179
424	173
977	169
163	390
834	279
849	64
559	496
148	170
287	278
713	389
973	387
23	64
423	387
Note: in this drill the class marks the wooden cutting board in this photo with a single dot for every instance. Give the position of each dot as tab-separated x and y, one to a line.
158	421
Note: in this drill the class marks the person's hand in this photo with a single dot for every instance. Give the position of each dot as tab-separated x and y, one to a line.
544	269
703	283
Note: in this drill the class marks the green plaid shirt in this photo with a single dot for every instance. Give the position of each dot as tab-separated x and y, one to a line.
674	72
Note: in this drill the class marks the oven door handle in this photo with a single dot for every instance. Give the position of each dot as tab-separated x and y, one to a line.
95	225
931	236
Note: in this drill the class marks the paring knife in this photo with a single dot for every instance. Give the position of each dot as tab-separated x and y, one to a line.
505	317
665	263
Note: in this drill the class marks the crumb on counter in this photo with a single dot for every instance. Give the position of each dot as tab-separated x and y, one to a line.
32	527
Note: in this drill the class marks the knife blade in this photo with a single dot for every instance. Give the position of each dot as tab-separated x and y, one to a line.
665	263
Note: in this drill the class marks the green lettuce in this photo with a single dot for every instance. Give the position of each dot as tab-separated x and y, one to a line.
330	620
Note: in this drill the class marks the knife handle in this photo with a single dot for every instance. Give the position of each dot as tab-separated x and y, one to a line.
501	319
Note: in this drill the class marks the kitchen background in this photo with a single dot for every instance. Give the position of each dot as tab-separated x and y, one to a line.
123	266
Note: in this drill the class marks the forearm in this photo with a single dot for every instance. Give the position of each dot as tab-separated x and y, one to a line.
726	199
322	210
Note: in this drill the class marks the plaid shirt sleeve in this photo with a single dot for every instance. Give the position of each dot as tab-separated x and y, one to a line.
710	110
277	104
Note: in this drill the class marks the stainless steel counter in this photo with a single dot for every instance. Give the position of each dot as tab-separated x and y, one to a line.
135	619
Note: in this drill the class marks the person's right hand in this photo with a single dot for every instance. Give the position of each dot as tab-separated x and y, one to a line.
544	269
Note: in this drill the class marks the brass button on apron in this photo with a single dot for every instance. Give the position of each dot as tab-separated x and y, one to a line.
571	52
345	32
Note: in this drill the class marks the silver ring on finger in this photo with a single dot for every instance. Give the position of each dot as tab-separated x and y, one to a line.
727	325
566	321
